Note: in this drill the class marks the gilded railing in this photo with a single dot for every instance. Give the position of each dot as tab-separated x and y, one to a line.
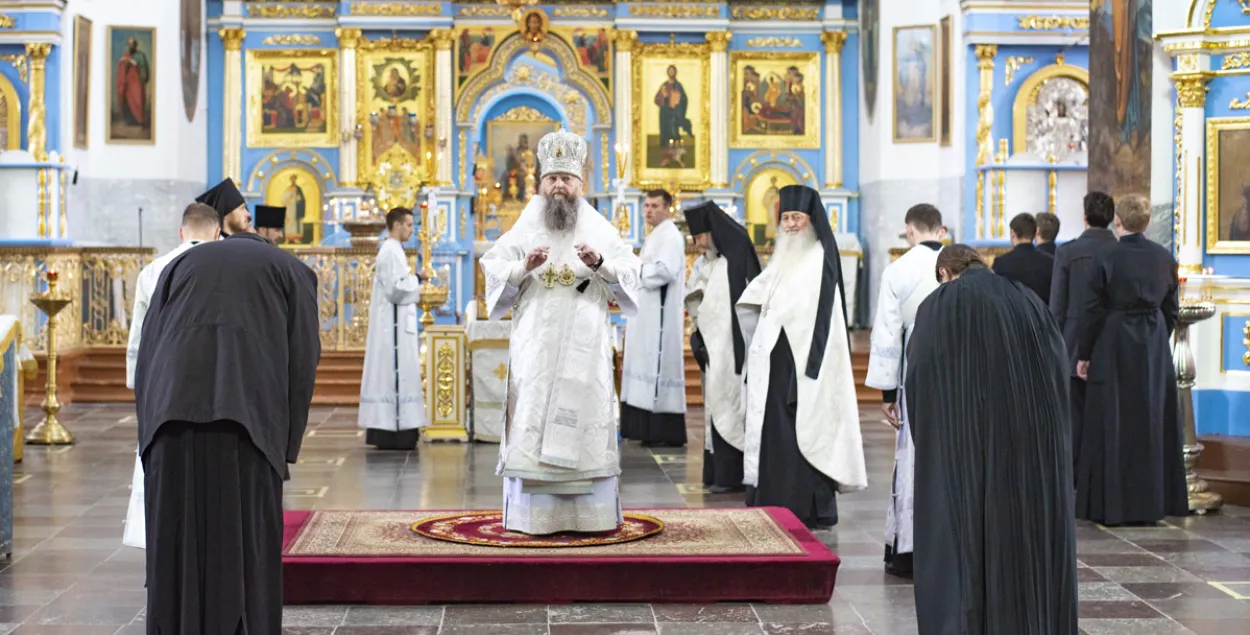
345	281
99	280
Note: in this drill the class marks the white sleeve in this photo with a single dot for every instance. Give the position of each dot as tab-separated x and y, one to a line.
503	266
886	355
399	286
143	296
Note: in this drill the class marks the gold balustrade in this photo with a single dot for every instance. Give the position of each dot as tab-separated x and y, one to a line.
345	284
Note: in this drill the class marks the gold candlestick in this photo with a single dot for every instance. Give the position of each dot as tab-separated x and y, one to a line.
430	296
50	431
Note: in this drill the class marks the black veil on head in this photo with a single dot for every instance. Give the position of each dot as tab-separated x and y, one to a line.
800	198
733	243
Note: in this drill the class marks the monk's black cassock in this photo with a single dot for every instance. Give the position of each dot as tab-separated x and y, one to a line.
222	390
987	385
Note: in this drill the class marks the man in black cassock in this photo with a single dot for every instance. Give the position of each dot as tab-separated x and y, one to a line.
803	443
729	264
223	386
230	205
987	385
1131	468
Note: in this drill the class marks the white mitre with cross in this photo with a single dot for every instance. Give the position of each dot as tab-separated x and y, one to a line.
562	152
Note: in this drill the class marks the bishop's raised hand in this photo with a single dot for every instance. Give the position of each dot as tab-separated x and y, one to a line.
536	257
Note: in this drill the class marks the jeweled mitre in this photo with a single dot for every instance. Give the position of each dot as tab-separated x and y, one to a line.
562	152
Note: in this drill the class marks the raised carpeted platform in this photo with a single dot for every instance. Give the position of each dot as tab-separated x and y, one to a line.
702	555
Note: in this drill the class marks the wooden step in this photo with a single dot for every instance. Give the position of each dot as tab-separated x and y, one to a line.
1225	465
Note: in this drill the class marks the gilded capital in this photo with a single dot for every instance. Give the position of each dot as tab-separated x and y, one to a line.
834	41
348	37
442	39
38	52
1191	89
232	38
626	40
985	55
719	40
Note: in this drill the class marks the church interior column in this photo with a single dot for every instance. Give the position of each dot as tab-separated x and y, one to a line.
719	90
985	124
442	103
232	107
834	40
1191	91
625	41
348	38
36	126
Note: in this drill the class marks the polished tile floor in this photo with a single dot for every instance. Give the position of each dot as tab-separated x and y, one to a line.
69	573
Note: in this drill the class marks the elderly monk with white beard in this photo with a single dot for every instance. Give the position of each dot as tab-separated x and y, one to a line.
557	270
803	442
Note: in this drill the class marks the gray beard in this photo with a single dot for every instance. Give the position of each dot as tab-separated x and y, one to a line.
560	213
790	249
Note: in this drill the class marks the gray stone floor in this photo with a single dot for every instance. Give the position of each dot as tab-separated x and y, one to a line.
70	575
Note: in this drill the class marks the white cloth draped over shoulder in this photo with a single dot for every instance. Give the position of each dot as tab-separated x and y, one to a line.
134	534
560	425
393	347
827	421
905	283
653	374
710	309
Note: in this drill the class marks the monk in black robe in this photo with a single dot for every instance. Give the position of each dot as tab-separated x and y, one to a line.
987	385
223	385
1131	469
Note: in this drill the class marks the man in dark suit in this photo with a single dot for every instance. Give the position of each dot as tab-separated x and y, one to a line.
1074	262
1024	263
1047	231
223	385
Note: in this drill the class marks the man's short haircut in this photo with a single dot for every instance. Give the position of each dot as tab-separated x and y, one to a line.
396	215
200	216
1099	209
661	194
1024	226
1047	226
925	217
957	258
1134	213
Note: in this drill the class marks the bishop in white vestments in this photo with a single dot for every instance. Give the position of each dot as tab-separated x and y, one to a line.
905	283
200	223
653	373
730	263
557	270
803	442
392	407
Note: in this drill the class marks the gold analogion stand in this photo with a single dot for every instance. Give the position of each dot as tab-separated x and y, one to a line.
50	431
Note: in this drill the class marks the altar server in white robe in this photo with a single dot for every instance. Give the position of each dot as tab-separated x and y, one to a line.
557	270
392	406
905	283
653	374
803	442
200	223
730	264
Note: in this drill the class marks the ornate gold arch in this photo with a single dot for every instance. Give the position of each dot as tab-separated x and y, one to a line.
12	114
1027	96
1208	7
588	85
756	162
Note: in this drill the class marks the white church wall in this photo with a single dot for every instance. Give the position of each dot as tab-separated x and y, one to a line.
894	176
115	180
1168	15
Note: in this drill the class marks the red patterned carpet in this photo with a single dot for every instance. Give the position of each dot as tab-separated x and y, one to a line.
667	555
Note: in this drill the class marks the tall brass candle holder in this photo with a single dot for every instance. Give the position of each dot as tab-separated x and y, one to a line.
50	431
431	296
1193	309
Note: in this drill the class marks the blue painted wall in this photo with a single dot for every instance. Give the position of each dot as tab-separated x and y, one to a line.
1222	412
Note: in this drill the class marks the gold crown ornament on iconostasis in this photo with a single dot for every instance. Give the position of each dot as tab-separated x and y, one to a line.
562	152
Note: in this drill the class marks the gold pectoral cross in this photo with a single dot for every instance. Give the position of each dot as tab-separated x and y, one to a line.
550	277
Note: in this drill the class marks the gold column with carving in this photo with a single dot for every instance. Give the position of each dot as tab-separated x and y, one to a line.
1051	193
445	87
1191	91
718	41
232	106
37	122
1002	189
985	122
349	39
623	125
834	40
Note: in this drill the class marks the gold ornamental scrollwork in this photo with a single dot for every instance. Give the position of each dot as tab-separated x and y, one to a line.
674	11
625	40
442	39
18	60
290	11
1240	104
398	9
484	12
581	12
1054	22
1014	63
1191	89
292	39
232	39
774	42
833	40
719	41
775	13
349	38
1235	61
1245	341
522	113
7	21
445	381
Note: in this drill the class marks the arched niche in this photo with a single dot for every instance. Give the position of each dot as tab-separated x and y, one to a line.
758	177
10	116
1202	14
317	180
1028	94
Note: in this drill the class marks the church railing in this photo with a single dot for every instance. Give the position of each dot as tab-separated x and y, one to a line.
345	284
100	282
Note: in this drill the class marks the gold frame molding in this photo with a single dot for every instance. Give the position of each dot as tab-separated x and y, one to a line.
701	52
110	78
256	137
84	33
809	64
1213	243
365	167
1027	96
933	83
13	122
1224	370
